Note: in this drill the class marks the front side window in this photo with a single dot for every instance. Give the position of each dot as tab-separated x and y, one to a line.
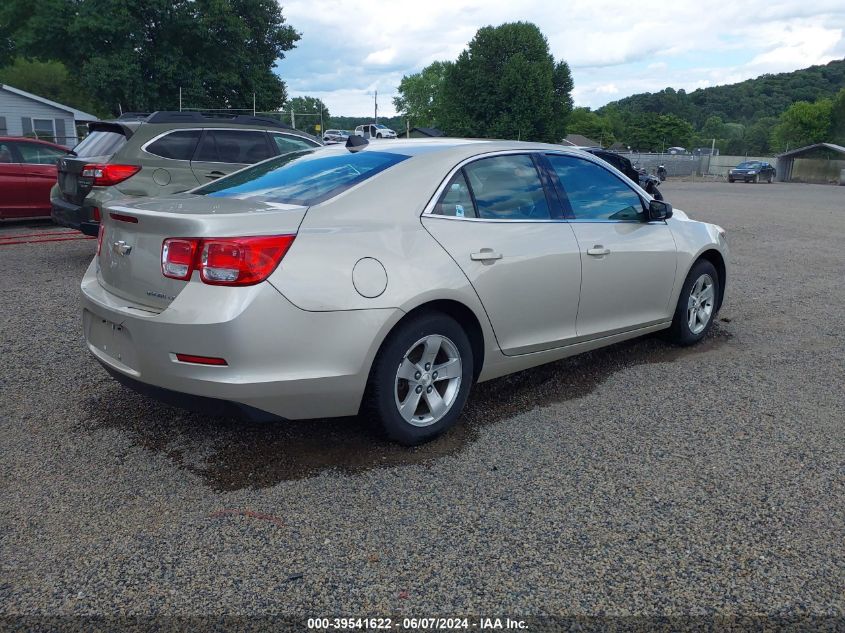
233	146
289	143
7	154
304	178
507	188
176	145
594	193
456	200
36	154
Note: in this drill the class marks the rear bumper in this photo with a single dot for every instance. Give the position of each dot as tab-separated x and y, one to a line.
281	360
73	216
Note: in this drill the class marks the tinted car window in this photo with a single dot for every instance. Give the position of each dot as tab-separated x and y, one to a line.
456	200
7	154
304	178
507	188
232	146
176	145
749	165
100	143
290	143
36	154
595	193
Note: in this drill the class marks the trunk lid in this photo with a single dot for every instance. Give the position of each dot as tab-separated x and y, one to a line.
130	254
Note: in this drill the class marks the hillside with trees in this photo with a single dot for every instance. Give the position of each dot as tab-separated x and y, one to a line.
756	116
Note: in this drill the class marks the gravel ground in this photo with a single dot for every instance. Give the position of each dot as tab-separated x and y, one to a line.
640	479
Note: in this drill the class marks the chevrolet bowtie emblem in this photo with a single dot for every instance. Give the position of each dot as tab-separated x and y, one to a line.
121	248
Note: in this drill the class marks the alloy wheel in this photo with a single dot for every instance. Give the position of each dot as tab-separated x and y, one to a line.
428	380
700	304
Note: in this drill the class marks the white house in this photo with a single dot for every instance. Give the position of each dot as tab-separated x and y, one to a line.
25	114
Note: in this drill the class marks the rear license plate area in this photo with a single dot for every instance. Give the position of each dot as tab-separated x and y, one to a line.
112	340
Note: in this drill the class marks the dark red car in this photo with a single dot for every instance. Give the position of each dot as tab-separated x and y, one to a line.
27	173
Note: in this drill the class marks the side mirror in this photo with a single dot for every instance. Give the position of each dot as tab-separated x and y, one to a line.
659	210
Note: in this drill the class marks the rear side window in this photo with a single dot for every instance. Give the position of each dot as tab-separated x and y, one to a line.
233	146
100	143
176	145
289	143
37	154
304	178
595	193
456	200
508	188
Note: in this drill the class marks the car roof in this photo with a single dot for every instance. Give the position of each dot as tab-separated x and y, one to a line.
26	139
458	148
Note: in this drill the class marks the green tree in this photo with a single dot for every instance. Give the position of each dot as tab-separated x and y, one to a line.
803	123
506	84
651	132
50	80
420	95
837	118
598	128
758	136
307	113
137	55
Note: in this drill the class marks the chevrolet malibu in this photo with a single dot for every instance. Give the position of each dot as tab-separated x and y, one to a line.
386	280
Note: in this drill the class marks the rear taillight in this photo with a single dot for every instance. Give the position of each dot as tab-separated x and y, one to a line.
95	213
100	239
107	175
228	261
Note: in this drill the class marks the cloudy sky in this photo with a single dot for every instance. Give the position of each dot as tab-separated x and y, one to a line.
349	49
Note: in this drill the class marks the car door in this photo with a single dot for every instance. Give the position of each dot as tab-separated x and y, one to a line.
504	229
13	183
39	165
627	264
222	151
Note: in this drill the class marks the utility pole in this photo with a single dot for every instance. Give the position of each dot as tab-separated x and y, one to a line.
322	131
375	100
253	104
180	98
292	118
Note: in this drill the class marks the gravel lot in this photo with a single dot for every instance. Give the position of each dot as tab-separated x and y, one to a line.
640	479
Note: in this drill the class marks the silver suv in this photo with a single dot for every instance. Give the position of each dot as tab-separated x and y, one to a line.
160	154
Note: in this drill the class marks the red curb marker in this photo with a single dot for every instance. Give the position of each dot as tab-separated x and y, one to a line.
49	239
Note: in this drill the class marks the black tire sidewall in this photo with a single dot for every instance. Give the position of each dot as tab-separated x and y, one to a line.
381	403
680	332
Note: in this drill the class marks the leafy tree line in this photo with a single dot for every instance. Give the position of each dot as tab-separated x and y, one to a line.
757	116
107	55
505	84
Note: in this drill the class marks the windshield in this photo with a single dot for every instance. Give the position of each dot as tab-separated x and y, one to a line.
305	178
749	165
381	127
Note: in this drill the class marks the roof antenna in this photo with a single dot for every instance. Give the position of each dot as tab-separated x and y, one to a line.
356	143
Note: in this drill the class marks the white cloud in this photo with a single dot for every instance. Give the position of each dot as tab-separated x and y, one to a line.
351	48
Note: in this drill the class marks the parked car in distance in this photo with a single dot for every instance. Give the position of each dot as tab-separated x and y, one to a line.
27	173
160	154
387	278
375	130
641	177
676	150
752	171
336	136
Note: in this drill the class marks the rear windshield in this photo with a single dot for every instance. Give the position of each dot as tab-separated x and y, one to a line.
305	178
100	143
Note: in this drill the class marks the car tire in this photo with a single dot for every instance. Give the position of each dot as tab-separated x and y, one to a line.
731	180
697	304
378	135
771	178
756	179
404	374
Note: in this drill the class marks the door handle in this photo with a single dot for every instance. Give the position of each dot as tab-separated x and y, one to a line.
485	255
598	250
215	174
